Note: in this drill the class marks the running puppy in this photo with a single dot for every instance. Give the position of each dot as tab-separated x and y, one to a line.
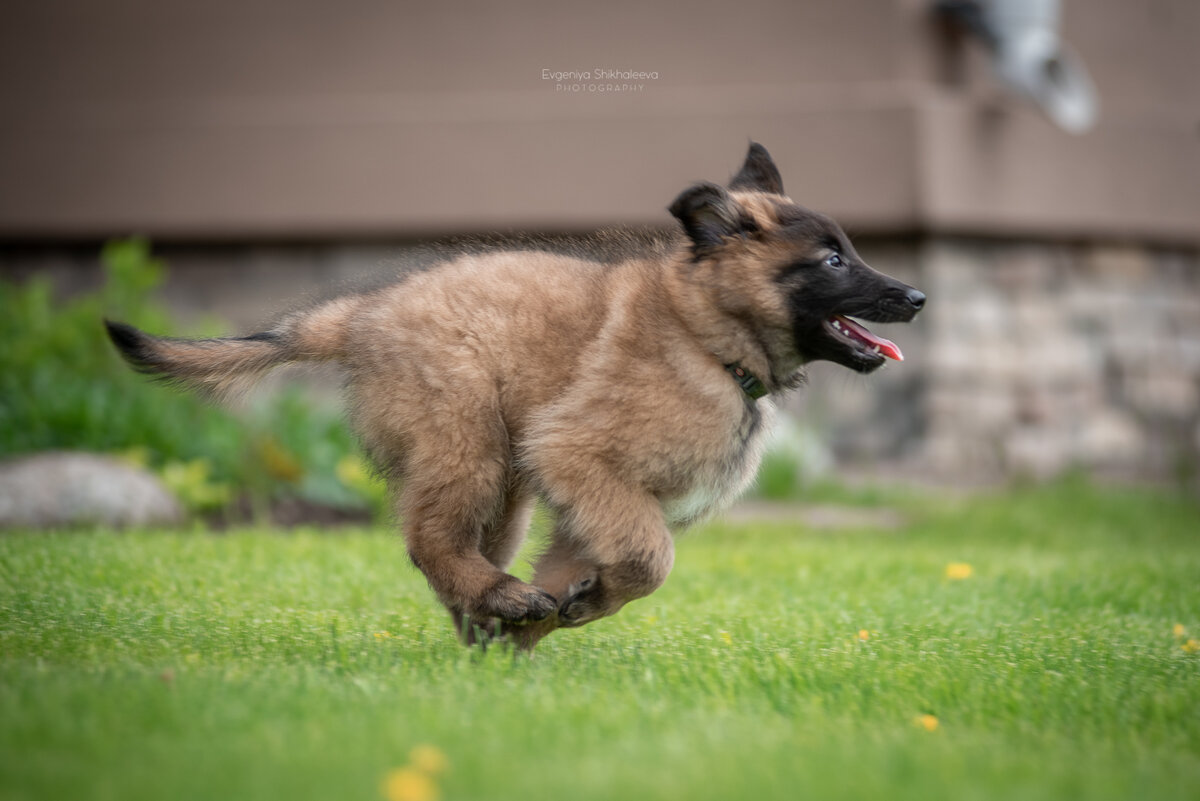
633	397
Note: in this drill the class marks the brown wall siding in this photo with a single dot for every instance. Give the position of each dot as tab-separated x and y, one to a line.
321	120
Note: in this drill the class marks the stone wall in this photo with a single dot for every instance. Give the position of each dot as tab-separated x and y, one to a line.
1047	357
1030	359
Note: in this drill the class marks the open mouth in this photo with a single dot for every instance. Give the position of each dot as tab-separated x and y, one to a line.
861	339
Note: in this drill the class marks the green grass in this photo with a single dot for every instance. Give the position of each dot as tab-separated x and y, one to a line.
247	665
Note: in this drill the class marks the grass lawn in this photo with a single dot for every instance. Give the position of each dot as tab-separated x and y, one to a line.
778	662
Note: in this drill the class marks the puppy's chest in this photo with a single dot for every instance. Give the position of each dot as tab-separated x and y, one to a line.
716	477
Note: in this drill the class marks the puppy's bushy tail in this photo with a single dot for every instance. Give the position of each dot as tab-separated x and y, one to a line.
227	366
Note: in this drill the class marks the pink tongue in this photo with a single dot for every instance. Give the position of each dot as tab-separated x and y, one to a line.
886	346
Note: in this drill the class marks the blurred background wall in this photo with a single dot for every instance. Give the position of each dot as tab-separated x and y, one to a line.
269	148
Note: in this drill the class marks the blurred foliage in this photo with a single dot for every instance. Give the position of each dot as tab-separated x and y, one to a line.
779	477
63	386
797	462
193	484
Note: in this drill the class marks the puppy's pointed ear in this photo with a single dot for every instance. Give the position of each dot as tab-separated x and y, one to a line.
709	215
758	173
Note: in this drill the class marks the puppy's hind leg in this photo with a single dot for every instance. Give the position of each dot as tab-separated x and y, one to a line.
500	543
447	505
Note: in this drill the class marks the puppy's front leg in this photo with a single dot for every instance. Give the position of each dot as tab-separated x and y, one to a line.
609	548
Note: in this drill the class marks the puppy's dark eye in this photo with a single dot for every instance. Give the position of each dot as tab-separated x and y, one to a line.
834	261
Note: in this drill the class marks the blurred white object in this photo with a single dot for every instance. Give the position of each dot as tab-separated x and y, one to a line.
803	447
1030	59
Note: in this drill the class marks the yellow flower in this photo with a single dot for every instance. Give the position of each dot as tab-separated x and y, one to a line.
356	474
1179	630
725	638
957	571
409	784
864	635
429	759
927	722
1191	646
382	635
278	460
192	483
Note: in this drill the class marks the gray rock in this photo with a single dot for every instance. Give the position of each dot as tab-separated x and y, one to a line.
49	490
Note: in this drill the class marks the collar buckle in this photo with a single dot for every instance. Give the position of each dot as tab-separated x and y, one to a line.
748	381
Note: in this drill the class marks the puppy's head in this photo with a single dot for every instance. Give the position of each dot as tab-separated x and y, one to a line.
788	273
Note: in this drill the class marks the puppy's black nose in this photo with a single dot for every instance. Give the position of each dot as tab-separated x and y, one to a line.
916	297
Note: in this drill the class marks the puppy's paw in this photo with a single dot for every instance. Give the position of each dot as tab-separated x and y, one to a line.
513	601
579	605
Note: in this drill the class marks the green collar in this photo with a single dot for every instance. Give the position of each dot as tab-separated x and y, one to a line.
747	380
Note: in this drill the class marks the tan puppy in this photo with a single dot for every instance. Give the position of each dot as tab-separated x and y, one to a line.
632	397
